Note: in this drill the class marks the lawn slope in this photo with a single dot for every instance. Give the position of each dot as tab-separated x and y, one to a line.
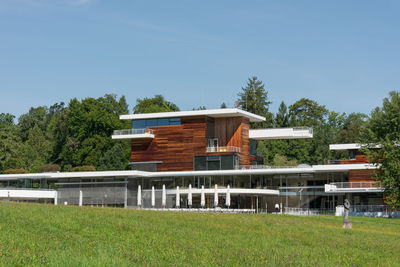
33	234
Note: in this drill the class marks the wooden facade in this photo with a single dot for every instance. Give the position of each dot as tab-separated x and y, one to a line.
175	147
358	175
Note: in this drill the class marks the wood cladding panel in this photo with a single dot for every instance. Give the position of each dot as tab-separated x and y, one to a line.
245	142
360	175
228	131
358	160
175	146
234	132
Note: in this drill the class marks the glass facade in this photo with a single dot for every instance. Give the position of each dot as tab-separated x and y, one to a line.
141	124
221	162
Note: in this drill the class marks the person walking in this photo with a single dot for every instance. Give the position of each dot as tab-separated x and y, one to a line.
276	207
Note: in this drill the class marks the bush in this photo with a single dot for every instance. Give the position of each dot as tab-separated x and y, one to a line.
49	168
15	171
86	168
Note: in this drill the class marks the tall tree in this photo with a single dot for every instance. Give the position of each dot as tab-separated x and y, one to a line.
282	117
352	126
254	98
35	117
36	150
155	104
10	143
383	130
90	124
306	112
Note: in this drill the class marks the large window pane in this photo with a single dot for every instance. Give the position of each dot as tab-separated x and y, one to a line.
138	124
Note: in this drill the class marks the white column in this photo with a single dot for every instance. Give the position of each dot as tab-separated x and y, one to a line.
178	200
126	194
56	198
190	196
164	197
228	197
80	198
139	197
153	197
203	197
215	196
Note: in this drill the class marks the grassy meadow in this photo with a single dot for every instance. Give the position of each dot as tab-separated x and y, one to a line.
35	234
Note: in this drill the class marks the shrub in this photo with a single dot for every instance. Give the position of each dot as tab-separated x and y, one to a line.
49	168
14	171
85	168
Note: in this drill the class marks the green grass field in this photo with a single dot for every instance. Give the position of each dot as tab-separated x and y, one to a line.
34	234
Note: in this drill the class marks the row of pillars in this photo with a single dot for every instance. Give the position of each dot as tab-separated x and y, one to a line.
177	199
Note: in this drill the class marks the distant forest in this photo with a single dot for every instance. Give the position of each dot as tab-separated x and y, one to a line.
77	136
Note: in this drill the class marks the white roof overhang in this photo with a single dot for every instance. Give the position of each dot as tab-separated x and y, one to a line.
213	113
135	174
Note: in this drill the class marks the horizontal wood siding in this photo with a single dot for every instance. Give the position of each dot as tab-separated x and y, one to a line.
360	175
245	141
358	160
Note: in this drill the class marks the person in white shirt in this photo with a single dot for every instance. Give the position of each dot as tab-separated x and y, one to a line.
276	207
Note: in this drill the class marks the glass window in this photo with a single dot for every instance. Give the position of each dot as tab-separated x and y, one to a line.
200	163
175	121
213	165
213	158
227	162
163	122
151	123
138	124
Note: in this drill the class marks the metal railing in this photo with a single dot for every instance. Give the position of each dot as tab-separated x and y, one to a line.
133	131
373	208
371	184
306	211
223	149
303	128
255	167
30	188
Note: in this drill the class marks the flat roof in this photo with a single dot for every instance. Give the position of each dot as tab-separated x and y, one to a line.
213	113
350	146
344	146
135	174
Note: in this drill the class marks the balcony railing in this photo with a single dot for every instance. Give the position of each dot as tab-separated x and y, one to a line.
251	167
301	129
344	185
223	149
133	131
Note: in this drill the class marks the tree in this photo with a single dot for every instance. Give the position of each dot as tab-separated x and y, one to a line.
36	150
10	143
200	108
282	161
35	117
223	105
282	117
90	124
383	130
116	158
155	104
254	98
306	112
352	126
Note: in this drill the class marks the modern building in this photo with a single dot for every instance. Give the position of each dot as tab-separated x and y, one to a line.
200	157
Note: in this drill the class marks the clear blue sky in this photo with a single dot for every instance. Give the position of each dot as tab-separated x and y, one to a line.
343	54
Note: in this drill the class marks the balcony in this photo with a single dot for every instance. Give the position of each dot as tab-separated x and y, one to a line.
281	133
353	187
27	193
211	149
145	133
